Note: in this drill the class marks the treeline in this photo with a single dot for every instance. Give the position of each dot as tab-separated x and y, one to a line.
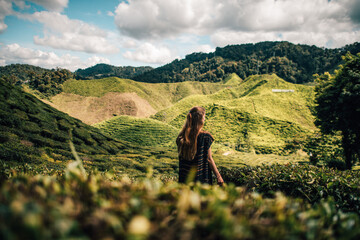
104	70
47	82
294	63
18	74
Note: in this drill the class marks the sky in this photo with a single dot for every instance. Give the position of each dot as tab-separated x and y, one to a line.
75	34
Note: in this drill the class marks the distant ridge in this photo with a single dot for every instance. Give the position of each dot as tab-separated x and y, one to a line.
293	62
103	70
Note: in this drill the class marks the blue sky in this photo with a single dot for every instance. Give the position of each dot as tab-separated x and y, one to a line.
76	34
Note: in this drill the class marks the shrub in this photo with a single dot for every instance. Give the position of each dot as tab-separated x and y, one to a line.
300	181
9	120
337	164
31	127
63	124
4	137
61	136
81	133
80	206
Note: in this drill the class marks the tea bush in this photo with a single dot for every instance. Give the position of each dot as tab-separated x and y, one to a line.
98	206
300	181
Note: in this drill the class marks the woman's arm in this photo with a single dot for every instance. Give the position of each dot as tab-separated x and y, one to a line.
214	168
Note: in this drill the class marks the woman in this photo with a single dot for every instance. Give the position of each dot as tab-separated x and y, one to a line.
195	160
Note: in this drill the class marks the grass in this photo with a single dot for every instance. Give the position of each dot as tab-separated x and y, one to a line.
232	79
250	116
142	131
159	95
245	114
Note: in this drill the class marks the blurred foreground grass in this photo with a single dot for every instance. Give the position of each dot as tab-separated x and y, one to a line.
77	205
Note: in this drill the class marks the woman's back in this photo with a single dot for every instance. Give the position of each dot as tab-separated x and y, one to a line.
198	168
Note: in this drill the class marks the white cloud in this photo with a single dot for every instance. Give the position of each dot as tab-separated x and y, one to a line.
64	33
129	42
110	14
337	39
150	53
257	20
14	53
205	48
52	5
144	19
5	10
223	38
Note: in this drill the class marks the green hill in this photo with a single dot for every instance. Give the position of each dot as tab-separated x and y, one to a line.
232	79
35	135
93	101
251	115
159	95
142	131
31	130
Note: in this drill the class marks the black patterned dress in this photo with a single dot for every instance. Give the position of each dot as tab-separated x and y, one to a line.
200	162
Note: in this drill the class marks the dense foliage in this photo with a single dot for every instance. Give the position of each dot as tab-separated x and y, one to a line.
47	82
104	70
81	206
293	63
325	150
300	181
338	101
19	73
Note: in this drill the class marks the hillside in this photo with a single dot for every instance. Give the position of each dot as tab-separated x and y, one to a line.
252	116
31	130
294	63
142	131
97	100
35	135
105	70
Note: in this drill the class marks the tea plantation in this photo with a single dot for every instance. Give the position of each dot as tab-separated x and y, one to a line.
124	186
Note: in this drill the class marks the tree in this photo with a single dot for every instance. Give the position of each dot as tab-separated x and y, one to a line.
338	106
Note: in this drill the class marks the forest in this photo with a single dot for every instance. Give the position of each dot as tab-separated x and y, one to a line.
104	70
46	82
294	63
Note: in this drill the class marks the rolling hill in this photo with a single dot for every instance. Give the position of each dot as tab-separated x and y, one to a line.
93	101
31	130
252	116
35	135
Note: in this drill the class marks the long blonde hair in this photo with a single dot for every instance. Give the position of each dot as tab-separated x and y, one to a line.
187	138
